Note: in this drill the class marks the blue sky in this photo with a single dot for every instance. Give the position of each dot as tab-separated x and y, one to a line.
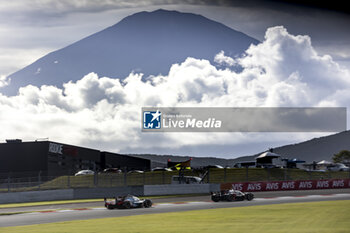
30	30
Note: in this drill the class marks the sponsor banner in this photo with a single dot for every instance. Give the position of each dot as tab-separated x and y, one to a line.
287	185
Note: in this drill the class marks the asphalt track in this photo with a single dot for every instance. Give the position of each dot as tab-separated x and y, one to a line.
82	211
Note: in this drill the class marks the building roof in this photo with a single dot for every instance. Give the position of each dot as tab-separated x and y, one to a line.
324	162
268	155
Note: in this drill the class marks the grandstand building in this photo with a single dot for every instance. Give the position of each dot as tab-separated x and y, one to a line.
52	158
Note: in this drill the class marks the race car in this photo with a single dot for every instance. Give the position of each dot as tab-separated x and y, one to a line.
231	195
127	202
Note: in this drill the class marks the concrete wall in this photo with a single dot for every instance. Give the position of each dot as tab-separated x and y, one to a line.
107	192
84	193
170	189
33	196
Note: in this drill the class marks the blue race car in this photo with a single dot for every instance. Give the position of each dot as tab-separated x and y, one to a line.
127	202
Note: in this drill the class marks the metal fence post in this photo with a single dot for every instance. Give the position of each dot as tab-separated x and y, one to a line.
225	174
144	177
208	176
68	181
125	177
8	183
95	179
285	173
246	174
39	179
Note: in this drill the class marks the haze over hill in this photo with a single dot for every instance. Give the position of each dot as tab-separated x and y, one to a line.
146	42
316	149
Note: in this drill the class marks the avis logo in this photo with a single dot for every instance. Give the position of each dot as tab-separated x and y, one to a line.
152	119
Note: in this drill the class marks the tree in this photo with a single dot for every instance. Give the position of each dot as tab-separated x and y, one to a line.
342	157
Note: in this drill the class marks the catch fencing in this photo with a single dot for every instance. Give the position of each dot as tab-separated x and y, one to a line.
13	182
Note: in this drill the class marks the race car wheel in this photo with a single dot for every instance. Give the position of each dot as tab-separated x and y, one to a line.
147	203
230	198
249	197
215	198
109	207
127	205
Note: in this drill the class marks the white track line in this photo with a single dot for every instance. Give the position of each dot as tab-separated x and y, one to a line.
306	197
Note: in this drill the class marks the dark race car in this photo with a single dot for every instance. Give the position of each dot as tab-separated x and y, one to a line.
127	202
231	195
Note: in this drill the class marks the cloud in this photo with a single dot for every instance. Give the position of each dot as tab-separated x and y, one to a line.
221	59
60	8
13	59
282	71
4	81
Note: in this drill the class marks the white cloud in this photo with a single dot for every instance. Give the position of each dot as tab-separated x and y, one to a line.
283	70
221	59
4	81
14	59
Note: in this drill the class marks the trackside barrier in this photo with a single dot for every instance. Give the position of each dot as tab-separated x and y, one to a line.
287	185
174	189
33	196
35	181
83	193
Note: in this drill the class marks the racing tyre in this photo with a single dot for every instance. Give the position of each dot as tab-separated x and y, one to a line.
230	198
127	205
249	196
215	198
147	203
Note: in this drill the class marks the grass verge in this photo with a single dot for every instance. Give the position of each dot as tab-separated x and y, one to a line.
327	216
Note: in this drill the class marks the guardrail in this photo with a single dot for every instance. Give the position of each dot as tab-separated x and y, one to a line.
213	175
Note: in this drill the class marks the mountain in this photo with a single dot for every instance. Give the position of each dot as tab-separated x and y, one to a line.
161	160
316	149
146	42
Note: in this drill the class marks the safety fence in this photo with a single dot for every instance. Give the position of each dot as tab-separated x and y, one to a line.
39	182
287	185
213	175
270	174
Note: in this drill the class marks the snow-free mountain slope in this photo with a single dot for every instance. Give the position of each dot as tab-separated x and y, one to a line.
146	42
